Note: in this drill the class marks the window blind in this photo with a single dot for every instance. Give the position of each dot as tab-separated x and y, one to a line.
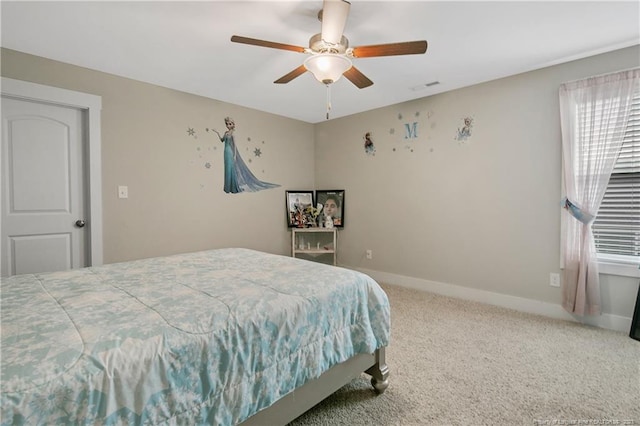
616	229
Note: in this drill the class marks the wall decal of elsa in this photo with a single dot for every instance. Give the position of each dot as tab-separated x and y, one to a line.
237	176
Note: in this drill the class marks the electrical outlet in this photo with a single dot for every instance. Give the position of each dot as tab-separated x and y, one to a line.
554	280
369	254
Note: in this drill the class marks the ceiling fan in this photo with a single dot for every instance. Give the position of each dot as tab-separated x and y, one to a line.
330	52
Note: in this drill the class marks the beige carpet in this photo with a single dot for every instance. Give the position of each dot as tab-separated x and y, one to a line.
455	362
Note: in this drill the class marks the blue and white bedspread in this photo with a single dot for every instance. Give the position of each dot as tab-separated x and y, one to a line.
203	338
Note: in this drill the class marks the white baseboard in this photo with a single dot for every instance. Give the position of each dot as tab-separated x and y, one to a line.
607	321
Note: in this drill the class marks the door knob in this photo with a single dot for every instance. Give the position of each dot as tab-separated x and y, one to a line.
80	223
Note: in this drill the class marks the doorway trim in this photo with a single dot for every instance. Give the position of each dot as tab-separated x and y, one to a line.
91	105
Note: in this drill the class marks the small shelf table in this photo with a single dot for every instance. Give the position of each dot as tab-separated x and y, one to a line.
315	244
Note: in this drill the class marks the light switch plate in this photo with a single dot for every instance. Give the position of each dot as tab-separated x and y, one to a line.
123	191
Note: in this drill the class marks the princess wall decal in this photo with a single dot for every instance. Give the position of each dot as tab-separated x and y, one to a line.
237	176
464	133
369	148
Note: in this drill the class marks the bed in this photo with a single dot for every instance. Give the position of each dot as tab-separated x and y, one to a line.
218	337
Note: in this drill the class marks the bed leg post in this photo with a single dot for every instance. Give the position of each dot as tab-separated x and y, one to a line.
379	372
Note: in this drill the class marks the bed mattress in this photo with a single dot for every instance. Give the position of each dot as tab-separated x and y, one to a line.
210	337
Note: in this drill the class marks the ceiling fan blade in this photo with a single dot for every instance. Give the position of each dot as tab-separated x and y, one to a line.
264	43
334	19
391	49
293	74
356	77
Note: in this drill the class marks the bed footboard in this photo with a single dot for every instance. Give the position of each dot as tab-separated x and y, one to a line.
310	394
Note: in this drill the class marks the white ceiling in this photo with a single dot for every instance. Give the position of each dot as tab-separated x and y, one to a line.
185	45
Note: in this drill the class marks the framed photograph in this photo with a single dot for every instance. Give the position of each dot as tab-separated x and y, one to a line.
297	204
332	205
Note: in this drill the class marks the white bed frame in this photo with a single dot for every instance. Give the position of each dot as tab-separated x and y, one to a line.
311	393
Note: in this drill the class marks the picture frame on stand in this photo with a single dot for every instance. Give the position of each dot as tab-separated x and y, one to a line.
332	201
297	206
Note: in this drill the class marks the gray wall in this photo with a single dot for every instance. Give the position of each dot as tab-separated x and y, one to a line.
482	214
175	203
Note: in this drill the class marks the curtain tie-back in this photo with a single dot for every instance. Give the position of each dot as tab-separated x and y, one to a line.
575	211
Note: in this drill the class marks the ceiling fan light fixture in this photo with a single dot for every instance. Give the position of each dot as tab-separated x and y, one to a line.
327	68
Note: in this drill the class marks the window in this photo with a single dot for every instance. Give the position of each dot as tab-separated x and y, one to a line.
616	229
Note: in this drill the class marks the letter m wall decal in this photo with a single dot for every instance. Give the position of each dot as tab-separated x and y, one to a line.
411	130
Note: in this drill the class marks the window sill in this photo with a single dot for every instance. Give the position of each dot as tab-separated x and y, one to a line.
621	269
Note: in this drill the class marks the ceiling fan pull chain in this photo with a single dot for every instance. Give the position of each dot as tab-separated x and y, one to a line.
328	99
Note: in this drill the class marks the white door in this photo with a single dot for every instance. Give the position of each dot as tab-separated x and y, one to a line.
43	207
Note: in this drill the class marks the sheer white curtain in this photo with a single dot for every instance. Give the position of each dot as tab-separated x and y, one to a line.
593	113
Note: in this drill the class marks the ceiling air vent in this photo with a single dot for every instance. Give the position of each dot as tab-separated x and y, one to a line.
424	86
